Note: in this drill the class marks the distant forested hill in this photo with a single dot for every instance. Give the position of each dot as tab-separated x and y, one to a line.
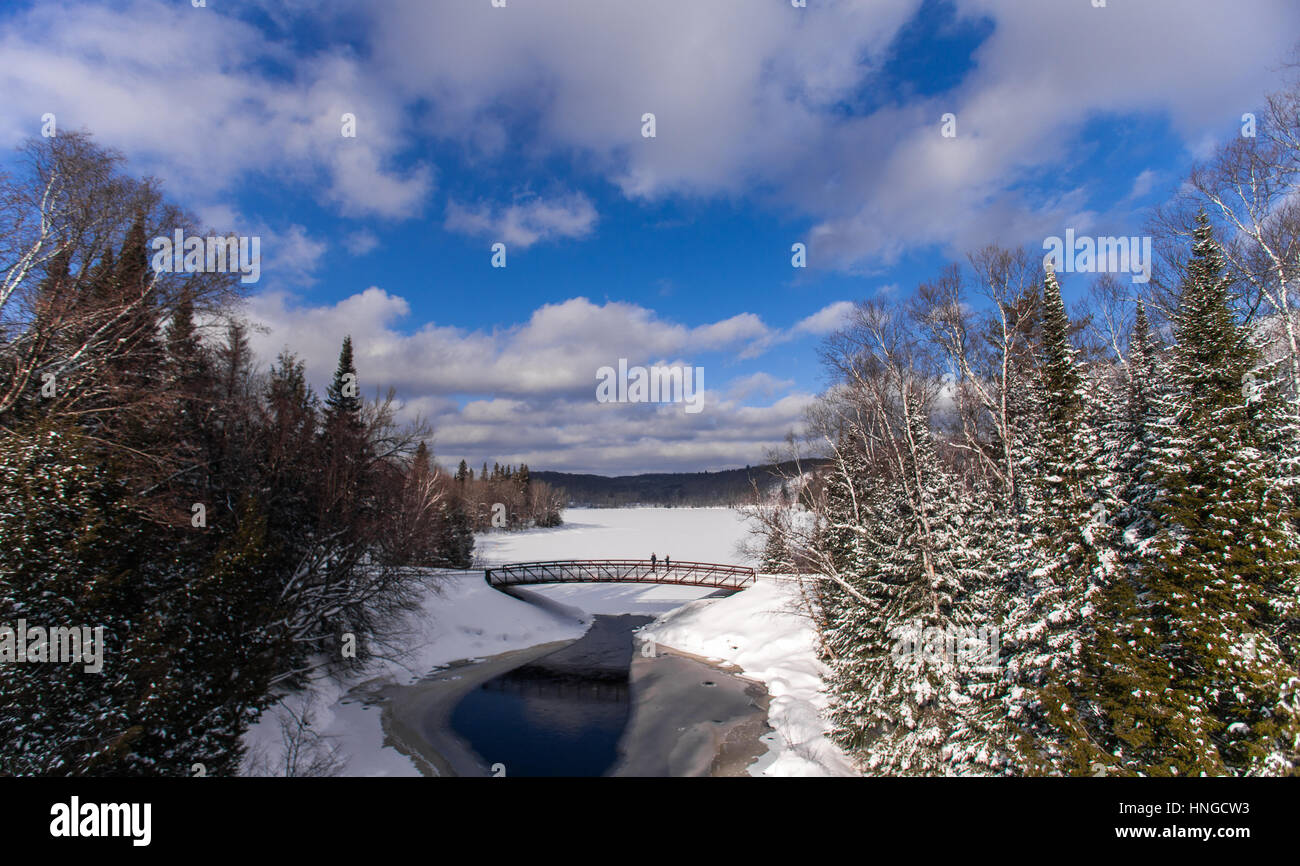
727	487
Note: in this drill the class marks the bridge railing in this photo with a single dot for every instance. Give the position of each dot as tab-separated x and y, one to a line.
685	573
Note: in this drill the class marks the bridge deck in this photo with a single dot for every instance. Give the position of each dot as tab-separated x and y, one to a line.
621	571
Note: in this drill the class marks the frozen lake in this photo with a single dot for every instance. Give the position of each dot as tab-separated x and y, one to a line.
567	713
701	534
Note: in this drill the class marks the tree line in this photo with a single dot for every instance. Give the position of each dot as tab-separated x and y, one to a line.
231	530
508	497
727	487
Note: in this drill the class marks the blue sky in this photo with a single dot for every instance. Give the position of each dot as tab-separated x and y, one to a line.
522	125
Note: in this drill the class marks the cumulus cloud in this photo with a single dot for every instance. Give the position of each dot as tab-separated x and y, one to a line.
292	255
585	436
759	104
526	222
749	102
829	318
556	351
527	392
760	108
200	99
761	383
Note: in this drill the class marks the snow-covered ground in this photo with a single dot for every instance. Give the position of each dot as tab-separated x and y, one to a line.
700	534
759	630
763	632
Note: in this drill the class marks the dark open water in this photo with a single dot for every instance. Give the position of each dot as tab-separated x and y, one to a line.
560	715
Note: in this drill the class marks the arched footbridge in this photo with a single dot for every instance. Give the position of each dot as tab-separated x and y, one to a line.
710	574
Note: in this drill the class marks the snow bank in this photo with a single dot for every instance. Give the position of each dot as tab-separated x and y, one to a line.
763	631
463	619
760	630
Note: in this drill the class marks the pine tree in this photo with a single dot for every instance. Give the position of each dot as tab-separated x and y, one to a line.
291	458
1210	691
456	540
189	381
184	348
234	362
1063	566
776	555
1127	494
136	331
65	559
1061	473
342	399
904	669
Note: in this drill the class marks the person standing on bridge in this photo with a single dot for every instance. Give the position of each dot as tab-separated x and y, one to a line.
667	564
652	563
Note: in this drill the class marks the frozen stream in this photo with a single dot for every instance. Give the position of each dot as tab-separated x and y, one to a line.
756	647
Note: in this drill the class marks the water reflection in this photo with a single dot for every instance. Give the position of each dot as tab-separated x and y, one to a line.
560	715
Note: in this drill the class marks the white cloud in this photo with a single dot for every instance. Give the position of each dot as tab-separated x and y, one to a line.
556	351
529	390
829	318
290	256
360	243
760	383
187	94
1143	184
526	222
747	98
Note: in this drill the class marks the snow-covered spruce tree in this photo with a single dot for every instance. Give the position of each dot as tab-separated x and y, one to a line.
903	671
1277	416
851	622
1138	414
1127	486
776	553
1205	688
1148	386
1064	560
842	511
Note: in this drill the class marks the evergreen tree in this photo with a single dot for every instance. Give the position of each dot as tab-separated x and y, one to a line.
1203	685
776	555
343	400
189	381
345	446
1063	563
456	539
904	659
421	467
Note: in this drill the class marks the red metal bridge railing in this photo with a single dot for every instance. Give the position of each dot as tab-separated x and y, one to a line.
621	571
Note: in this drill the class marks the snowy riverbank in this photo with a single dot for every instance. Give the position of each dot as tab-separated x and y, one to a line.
760	631
765	635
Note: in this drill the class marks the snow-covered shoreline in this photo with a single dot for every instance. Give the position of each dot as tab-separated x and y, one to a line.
761	631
